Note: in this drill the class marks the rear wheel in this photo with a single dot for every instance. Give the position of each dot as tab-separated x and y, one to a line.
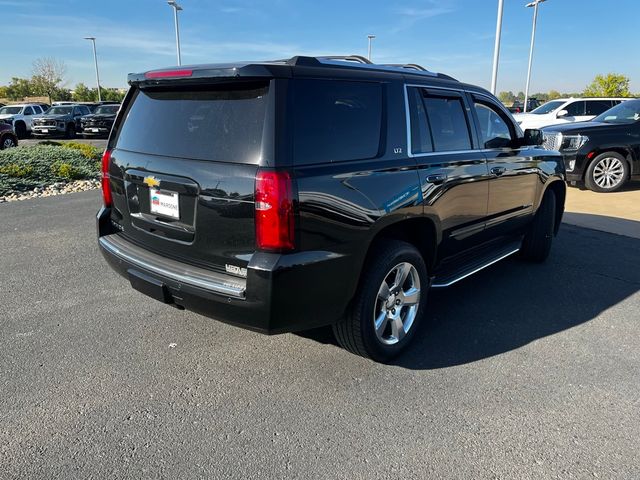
607	173
537	242
389	304
21	130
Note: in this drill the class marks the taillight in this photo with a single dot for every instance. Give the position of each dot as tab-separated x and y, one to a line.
274	211
106	186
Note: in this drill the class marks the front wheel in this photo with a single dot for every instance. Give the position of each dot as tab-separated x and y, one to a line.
607	173
389	304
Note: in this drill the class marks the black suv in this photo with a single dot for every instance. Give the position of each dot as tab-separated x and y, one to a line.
292	194
602	154
100	121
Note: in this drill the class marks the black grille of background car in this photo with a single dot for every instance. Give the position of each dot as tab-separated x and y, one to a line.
45	123
96	123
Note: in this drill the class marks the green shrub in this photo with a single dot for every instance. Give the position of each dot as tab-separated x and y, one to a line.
16	170
26	167
89	151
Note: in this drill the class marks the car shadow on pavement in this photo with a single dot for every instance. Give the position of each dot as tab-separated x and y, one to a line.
514	302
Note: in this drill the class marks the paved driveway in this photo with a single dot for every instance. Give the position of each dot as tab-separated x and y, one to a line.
525	372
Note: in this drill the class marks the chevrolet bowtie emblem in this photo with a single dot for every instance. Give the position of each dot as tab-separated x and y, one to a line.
151	181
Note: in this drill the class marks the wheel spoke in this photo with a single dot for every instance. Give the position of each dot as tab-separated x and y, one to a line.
397	328
411	296
381	323
384	291
402	274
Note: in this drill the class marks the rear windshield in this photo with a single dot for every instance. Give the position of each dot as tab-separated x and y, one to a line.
205	123
336	121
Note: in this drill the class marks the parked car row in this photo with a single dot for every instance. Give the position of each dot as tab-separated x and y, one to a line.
66	119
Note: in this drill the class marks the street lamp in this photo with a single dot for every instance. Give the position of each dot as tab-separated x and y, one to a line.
496	48
533	4
370	37
95	60
176	9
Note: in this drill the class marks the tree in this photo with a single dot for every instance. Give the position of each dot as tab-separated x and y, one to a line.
507	97
82	93
19	88
609	85
520	96
553	94
48	76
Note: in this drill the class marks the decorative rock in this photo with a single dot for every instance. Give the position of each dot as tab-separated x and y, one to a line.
58	188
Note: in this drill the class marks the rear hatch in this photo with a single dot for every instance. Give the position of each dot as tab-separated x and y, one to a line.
182	173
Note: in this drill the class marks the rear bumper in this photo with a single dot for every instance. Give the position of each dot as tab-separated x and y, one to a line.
282	293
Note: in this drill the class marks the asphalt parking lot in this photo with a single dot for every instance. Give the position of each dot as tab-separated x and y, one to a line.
525	371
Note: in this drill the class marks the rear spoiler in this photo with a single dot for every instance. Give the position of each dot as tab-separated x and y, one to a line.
198	73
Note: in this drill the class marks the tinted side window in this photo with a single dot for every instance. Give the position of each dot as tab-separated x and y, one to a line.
575	109
597	107
420	132
335	121
493	128
448	122
28	111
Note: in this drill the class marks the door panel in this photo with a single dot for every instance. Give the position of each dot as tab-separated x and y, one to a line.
513	173
453	175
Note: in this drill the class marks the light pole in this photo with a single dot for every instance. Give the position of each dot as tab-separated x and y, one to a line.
370	37
496	48
176	9
95	60
533	4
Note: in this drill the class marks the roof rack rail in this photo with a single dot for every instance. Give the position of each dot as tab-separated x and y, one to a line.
409	66
347	58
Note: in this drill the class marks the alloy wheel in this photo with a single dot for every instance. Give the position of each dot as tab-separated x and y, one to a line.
397	303
608	172
8	143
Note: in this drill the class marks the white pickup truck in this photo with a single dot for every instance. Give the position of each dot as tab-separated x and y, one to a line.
20	116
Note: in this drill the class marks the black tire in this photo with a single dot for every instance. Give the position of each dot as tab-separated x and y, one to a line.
21	130
7	141
356	332
70	132
608	172
537	242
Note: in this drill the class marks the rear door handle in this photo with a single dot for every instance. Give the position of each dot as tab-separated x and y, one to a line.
497	171
436	178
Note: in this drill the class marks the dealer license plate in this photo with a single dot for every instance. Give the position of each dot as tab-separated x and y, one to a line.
95	130
164	203
45	130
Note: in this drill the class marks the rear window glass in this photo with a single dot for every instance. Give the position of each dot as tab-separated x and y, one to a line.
335	121
219	124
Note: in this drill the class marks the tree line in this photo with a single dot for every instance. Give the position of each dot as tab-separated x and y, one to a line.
48	80
609	85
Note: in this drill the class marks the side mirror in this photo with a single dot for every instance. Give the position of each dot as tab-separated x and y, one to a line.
532	136
562	113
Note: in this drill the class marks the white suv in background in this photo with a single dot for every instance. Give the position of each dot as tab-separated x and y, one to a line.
565	110
20	116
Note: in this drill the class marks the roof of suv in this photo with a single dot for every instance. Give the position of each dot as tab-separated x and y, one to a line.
286	68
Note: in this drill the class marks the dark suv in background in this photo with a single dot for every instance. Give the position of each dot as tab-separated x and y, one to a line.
59	121
286	195
99	123
603	154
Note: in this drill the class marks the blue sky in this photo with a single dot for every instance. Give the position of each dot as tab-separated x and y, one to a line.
576	39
